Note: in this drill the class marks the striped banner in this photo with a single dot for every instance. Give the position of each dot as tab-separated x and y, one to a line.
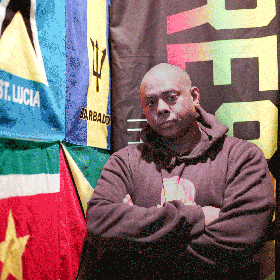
42	227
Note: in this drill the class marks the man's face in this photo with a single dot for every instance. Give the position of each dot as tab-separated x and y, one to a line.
168	103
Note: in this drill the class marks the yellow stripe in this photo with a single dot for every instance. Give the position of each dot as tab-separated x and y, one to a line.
84	188
97	100
267	260
17	53
271	276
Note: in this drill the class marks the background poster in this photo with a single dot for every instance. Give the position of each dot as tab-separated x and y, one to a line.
32	69
229	48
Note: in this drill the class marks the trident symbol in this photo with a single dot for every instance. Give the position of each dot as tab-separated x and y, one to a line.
95	72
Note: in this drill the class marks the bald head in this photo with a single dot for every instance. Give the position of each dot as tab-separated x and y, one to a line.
164	71
168	100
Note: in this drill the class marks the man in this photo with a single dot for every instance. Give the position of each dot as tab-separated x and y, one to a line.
188	203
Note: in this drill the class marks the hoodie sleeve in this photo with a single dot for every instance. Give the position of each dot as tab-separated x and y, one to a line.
248	206
109	217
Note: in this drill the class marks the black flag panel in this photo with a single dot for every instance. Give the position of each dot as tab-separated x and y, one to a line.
229	48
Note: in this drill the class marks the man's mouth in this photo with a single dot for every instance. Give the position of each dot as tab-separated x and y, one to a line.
166	124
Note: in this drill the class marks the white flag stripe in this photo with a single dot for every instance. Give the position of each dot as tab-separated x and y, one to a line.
135	142
136	120
26	185
134	129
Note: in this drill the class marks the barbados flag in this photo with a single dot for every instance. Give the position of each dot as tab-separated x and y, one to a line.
32	69
88	104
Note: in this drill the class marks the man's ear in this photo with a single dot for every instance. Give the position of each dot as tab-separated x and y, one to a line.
195	96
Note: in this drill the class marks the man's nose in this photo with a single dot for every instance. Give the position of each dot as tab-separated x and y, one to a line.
162	107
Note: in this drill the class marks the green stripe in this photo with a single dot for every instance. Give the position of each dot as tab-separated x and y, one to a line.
28	157
89	160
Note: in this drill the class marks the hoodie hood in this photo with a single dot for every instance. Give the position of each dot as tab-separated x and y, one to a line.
211	132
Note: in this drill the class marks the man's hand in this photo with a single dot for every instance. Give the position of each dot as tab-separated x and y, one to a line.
211	213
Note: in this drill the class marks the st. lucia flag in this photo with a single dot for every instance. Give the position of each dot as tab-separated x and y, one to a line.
42	227
32	69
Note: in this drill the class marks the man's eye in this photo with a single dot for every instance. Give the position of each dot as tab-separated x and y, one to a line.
150	103
172	97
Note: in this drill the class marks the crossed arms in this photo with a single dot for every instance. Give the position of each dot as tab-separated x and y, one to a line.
217	236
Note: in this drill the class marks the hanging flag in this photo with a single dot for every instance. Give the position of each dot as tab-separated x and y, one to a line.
83	187
88	105
72	225
85	165
42	225
32	69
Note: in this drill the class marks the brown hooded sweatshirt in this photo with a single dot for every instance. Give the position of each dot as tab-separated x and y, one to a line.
172	242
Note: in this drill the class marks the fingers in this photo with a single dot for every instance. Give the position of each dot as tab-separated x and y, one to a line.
211	213
189	202
128	200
